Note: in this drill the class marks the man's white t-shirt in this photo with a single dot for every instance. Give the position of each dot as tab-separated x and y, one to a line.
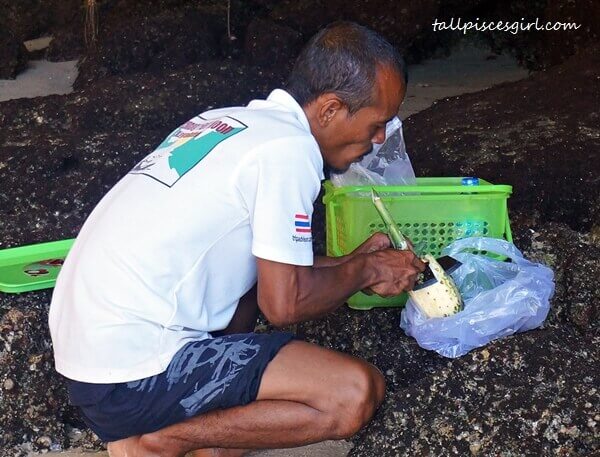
167	253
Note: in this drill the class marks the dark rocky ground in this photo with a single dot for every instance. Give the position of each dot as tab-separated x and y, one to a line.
149	28
540	135
530	394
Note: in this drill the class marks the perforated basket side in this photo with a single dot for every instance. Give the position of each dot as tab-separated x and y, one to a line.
432	216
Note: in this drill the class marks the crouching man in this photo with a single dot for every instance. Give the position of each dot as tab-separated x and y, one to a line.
153	311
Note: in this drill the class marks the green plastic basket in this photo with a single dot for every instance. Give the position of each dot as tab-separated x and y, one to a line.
433	213
32	267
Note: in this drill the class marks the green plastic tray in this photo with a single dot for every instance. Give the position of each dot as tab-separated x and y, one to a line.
433	213
32	267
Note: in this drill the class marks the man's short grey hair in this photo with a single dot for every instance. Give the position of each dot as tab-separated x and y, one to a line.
342	59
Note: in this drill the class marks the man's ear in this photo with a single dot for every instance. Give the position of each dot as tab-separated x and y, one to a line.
329	107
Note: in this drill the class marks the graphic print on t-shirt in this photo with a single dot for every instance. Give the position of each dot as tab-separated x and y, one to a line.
185	147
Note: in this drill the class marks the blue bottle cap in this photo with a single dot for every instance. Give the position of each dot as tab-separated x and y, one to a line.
470	181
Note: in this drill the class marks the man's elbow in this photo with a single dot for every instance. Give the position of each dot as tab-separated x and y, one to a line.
279	314
280	292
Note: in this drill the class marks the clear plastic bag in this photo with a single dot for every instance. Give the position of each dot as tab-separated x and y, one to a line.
501	298
386	164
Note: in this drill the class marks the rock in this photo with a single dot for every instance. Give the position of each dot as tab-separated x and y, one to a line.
271	44
27	18
13	54
44	441
68	41
407	24
574	260
556	46
306	16
35	411
522	134
9	384
399	22
541	49
168	40
508	405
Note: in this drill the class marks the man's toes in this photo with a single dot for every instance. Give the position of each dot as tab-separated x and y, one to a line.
217	452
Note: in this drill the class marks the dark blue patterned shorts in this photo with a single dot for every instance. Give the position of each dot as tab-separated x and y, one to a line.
215	373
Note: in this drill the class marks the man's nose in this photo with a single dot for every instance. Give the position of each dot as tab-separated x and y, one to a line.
379	137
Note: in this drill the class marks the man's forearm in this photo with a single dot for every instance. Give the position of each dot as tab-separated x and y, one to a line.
324	289
311	292
326	261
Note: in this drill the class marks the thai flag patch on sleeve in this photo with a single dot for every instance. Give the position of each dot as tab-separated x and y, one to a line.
302	223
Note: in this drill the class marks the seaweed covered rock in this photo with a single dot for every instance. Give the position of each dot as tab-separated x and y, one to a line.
532	394
13	54
34	406
271	44
167	41
529	394
541	135
585	15
539	49
574	258
27	18
399	22
68	42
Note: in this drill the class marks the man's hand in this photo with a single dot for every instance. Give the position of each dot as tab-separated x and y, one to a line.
404	269
288	294
375	242
395	271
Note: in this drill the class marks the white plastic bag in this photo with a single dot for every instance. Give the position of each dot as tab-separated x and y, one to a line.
501	298
386	164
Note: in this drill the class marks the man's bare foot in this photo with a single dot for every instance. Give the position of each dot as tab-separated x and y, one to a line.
123	448
217	452
129	447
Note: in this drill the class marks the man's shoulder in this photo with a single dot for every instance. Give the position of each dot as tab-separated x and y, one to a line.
262	116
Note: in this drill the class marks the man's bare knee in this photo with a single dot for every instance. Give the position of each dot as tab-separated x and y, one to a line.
379	381
357	400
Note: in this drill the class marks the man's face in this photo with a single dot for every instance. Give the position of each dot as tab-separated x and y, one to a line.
348	138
